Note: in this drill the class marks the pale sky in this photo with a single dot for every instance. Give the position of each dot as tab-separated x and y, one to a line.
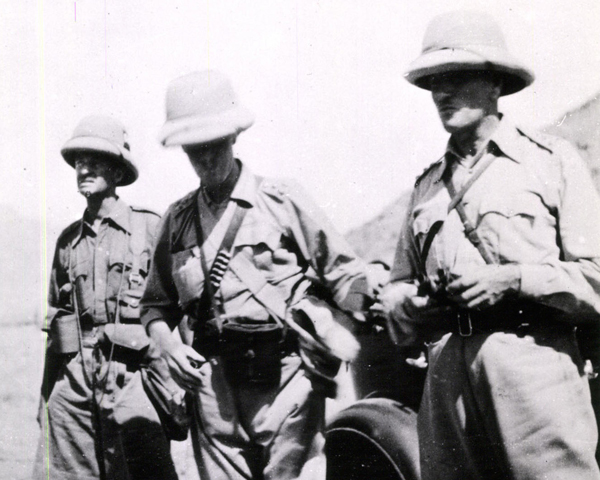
324	79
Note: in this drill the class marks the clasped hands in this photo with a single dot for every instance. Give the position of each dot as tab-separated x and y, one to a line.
479	288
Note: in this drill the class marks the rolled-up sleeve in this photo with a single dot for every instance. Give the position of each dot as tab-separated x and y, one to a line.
572	282
327	252
405	267
59	290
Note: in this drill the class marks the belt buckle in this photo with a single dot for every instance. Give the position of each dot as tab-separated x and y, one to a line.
465	329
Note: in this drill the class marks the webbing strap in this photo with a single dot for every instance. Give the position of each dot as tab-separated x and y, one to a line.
266	294
457	197
269	296
213	277
456	203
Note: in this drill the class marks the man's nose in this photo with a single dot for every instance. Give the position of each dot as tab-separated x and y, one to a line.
440	94
83	169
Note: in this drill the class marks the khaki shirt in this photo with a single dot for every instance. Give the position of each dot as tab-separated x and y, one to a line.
284	233
534	206
97	260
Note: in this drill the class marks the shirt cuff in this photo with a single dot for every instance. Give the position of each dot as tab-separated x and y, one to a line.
151	314
532	277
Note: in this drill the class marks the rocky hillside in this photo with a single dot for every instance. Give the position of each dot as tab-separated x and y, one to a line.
376	239
582	128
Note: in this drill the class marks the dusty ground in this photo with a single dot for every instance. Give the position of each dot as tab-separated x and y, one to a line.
20	375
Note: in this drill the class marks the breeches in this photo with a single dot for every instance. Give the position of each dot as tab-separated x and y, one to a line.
258	432
507	406
110	426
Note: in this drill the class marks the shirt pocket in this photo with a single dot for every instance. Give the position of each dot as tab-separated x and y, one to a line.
127	284
504	222
262	240
80	272
81	269
426	222
187	275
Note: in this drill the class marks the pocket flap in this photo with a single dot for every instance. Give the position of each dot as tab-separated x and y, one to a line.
81	268
509	206
125	335
255	233
187	275
131	298
425	219
120	256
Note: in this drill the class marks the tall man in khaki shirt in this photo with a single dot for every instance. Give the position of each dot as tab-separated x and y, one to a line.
257	402
497	263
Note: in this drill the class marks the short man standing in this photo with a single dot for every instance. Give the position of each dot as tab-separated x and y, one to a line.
258	398
97	422
498	262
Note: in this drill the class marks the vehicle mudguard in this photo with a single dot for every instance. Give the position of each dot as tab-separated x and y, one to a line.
373	439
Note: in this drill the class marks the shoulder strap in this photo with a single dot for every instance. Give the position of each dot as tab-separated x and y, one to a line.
456	203
219	266
456	197
269	296
213	277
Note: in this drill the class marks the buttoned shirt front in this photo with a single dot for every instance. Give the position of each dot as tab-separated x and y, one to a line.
534	206
98	262
283	232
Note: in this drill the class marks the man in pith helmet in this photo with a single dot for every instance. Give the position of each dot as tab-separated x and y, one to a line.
237	265
97	422
497	264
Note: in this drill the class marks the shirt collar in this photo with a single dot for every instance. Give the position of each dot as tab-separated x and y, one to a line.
506	138
118	216
245	188
443	162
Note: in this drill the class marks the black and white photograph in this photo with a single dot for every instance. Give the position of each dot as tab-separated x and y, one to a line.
300	240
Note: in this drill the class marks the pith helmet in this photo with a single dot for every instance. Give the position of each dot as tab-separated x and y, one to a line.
467	40
102	134
202	107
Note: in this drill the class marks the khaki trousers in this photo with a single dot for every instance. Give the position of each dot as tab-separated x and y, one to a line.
507	406
114	424
258	433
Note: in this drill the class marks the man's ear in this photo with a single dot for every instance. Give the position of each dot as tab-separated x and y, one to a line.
498	86
118	174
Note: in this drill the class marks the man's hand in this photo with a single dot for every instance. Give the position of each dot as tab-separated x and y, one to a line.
183	361
408	312
402	302
485	286
423	310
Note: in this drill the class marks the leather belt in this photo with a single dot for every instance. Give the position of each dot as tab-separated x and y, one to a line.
506	317
208	342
